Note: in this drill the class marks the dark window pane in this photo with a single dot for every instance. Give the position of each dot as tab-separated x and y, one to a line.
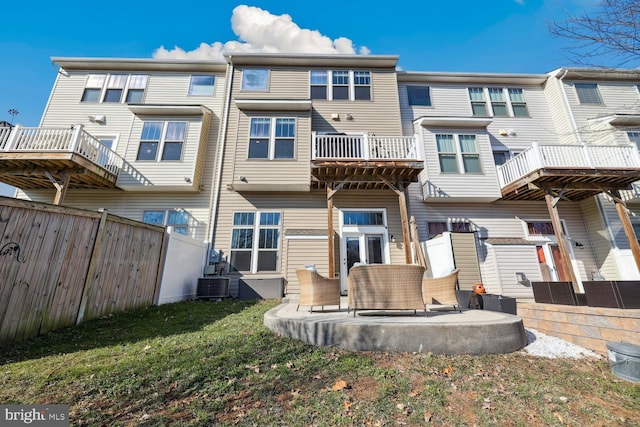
91	95
113	95
242	238
340	92
147	151
520	110
267	261
318	92
268	238
259	148
479	109
419	95
243	218
500	157
471	163
363	93
448	163
240	260
284	149
135	95
172	151
500	109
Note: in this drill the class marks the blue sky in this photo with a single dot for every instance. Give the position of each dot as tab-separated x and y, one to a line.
465	35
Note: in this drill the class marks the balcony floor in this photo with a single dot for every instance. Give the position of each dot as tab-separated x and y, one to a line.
363	175
28	170
579	183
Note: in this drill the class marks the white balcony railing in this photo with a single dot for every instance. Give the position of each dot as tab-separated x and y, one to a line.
74	140
365	147
540	156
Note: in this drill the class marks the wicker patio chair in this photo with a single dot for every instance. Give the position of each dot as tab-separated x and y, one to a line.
441	290
317	290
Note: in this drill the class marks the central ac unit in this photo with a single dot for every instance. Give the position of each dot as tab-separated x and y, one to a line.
213	287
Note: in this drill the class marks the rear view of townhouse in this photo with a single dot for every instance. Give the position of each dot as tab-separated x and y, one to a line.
278	162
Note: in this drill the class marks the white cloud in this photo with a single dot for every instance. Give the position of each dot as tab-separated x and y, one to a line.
260	31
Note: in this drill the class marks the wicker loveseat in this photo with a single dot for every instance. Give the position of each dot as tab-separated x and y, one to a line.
385	287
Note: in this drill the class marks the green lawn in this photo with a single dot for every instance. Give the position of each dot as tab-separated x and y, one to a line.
214	363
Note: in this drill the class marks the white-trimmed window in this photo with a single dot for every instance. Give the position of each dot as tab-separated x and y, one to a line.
176	218
255	79
272	138
634	138
503	102
201	85
458	225
542	229
255	242
458	153
588	93
114	88
340	85
167	138
419	95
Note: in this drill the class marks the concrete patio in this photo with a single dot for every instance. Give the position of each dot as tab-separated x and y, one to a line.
439	332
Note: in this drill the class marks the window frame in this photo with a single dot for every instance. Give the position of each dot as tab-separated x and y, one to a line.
255	230
452	225
110	84
178	227
493	96
547	237
588	98
163	141
350	84
460	154
634	138
273	138
261	83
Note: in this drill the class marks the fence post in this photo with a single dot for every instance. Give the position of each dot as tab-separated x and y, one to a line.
365	146
75	137
313	145
587	155
88	282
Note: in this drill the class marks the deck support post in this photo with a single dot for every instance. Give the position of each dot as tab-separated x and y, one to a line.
61	188
330	239
404	216
561	238
623	214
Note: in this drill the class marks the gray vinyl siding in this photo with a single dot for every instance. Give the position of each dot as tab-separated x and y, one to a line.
505	220
477	186
600	238
514	259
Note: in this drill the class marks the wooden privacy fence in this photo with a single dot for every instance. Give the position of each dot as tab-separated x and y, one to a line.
60	266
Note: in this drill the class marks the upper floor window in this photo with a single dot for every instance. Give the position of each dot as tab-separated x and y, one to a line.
419	95
201	85
503	102
114	88
588	93
458	153
255	79
167	138
634	137
457	225
500	157
255	241
340	85
178	219
272	138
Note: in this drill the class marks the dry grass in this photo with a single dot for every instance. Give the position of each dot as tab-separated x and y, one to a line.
207	363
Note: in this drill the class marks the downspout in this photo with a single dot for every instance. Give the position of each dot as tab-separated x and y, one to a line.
215	195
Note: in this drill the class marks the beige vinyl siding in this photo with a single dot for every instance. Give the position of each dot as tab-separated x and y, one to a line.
284	83
274	173
300	252
471	186
465	255
381	115
157	174
132	206
560	114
